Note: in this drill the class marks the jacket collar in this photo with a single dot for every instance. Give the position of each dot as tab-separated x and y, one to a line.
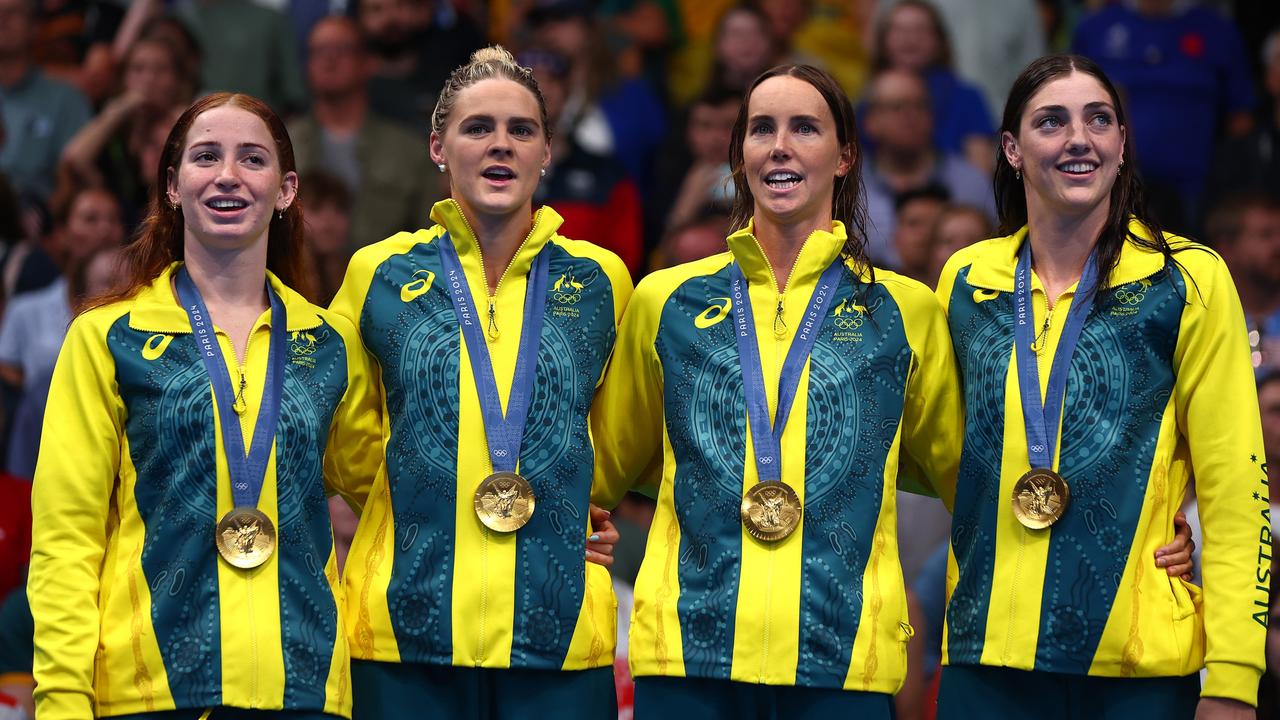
448	214
817	253
994	268
156	309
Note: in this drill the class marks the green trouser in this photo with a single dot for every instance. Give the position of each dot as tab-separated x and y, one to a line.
679	698
977	692
388	691
228	713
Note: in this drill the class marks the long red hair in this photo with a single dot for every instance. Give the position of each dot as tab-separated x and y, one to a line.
159	240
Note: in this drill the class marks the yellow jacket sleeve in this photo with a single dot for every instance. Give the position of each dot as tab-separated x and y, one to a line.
627	414
354	455
1217	406
933	413
70	506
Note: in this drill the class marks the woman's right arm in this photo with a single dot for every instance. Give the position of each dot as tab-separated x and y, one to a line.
70	503
80	155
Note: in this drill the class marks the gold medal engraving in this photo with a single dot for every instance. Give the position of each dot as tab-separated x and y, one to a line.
504	502
245	537
771	511
1040	497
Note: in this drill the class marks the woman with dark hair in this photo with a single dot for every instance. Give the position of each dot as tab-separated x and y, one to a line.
469	587
1105	365
173	575
771	585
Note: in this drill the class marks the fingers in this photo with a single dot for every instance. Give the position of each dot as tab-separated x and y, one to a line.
599	558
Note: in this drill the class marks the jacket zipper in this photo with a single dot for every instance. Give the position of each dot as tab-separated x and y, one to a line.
491	329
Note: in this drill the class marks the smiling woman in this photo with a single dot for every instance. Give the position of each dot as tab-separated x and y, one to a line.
174	575
470	590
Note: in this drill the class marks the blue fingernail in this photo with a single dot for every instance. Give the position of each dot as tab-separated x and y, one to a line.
594	538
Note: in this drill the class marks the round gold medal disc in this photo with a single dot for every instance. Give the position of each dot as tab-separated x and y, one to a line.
771	510
245	537
504	502
1040	497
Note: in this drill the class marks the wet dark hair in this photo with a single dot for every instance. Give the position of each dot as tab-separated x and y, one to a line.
1127	198
847	204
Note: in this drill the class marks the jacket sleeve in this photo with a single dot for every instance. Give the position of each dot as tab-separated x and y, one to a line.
627	414
1217	413
70	504
933	414
354	455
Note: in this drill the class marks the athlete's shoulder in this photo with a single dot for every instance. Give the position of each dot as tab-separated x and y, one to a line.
657	286
606	259
369	257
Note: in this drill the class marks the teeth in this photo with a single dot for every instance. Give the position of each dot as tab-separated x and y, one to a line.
226	204
1080	167
782	180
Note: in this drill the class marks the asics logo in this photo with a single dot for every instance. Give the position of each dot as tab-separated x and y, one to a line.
415	288
718	311
155	346
981	296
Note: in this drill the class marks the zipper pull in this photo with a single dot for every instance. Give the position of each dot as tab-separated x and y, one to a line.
493	321
779	324
239	405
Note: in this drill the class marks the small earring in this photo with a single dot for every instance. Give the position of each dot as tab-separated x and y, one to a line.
174	204
441	166
1119	167
280	213
542	172
1017	173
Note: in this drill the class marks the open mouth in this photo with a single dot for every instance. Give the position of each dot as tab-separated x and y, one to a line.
498	174
226	204
1078	167
782	179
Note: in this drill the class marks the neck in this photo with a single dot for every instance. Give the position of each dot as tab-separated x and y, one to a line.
231	280
781	241
341	113
499	236
12	69
1061	245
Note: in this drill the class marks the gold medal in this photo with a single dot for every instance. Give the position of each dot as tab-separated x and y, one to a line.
771	510
504	502
245	537
1040	497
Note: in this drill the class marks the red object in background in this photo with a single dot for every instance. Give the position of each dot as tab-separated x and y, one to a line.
15	531
1192	45
626	688
614	225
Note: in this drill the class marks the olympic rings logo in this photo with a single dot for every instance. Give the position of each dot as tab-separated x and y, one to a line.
844	322
1128	297
567	298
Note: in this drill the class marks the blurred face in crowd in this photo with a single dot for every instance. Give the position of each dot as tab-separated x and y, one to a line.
911	40
15	27
956	228
791	154
898	117
1255	252
494	146
913	234
336	63
555	90
385	25
1069	147
92	224
328	228
1271	66
103	272
745	46
710	131
785	16
417	14
229	180
152	73
567	36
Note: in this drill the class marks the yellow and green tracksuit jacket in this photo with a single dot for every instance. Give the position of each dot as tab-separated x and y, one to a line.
877	407
426	581
1159	391
134	611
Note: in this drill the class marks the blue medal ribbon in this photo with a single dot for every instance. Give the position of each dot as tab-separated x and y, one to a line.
248	471
504	434
1041	419
766	439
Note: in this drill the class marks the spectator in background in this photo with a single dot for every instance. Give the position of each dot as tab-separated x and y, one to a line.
608	113
915	213
911	37
958	226
902	158
385	166
40	114
1245	230
700	237
73	42
35	323
118	148
838	37
590	190
1251	162
693	170
745	46
1183	72
991	40
328	237
248	49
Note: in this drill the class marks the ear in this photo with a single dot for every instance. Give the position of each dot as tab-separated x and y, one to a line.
847	156
1124	139
436	146
546	156
1009	146
171	185
288	190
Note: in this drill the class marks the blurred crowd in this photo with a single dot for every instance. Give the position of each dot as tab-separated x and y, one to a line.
643	95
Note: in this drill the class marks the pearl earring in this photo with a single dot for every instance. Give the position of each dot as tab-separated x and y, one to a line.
542	172
441	166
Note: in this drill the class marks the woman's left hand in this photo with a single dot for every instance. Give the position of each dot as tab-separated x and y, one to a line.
602	539
1175	557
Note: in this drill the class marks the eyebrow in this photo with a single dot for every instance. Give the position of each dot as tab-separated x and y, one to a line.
793	118
1097	104
490	118
241	146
